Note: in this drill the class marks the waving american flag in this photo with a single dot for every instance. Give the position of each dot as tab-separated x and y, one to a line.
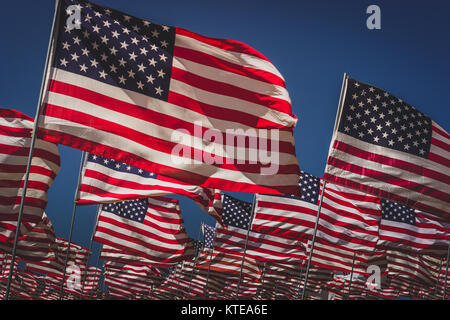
121	87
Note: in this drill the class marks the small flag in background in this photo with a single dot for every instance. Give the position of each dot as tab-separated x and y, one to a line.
105	180
208	235
151	228
123	88
387	148
237	218
289	216
408	229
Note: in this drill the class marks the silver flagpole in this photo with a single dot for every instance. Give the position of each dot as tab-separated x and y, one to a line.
73	222
300	282
313	241
446	273
90	250
195	261
205	290
246	242
53	36
336	122
351	275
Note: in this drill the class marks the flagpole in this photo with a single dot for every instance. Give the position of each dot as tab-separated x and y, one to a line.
195	260
300	282
96	264
351	275
205	290
245	247
446	273
313	240
53	36
83	158
90	250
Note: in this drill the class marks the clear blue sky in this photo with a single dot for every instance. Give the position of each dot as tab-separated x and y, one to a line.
312	43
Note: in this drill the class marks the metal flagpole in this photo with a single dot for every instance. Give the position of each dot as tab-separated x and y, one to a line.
313	241
336	122
90	250
72	222
96	264
195	260
351	275
205	290
446	273
53	36
300	282
246	242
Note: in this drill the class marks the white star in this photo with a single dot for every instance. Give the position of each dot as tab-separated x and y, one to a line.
125	30
150	79
162	57
135	40
104	39
85	52
75	56
63	62
106	23
136	28
113	50
87	18
122	79
94	63
115	34
133	56
76	40
144	51
83	67
159	90
95	45
124	45
66	45
131	73
113	68
103	74
153	47
155	33
140	85
122	62
161	73
165	28
141	67
152	62
96	29
104	57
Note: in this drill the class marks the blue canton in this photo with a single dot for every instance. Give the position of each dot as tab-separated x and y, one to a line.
134	210
115	48
397	212
120	167
374	116
236	212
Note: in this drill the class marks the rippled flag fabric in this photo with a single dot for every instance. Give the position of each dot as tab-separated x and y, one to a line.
385	147
15	142
105	180
123	88
151	228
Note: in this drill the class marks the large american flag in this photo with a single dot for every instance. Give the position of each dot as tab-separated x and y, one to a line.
404	228
105	180
15	141
289	216
152	228
120	87
237	218
387	148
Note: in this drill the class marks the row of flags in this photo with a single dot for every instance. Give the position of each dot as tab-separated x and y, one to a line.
121	88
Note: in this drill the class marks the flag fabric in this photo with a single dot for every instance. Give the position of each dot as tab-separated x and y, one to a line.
387	148
15	141
208	236
104	180
407	229
38	244
152	228
170	101
349	218
289	216
237	218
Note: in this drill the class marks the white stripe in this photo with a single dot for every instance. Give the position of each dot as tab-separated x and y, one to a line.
227	77
238	58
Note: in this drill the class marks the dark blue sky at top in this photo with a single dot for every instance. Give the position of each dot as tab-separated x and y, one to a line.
312	43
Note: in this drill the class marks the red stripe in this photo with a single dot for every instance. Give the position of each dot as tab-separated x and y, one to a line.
212	61
389	179
181	175
225	44
230	90
441	132
388	161
15	132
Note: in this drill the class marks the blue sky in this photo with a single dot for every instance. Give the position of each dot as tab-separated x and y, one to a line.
312	43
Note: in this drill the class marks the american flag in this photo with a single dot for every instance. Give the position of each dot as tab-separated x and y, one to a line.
237	218
152	228
349	218
387	148
146	94
15	141
405	228
105	180
208	235
109	253
289	216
